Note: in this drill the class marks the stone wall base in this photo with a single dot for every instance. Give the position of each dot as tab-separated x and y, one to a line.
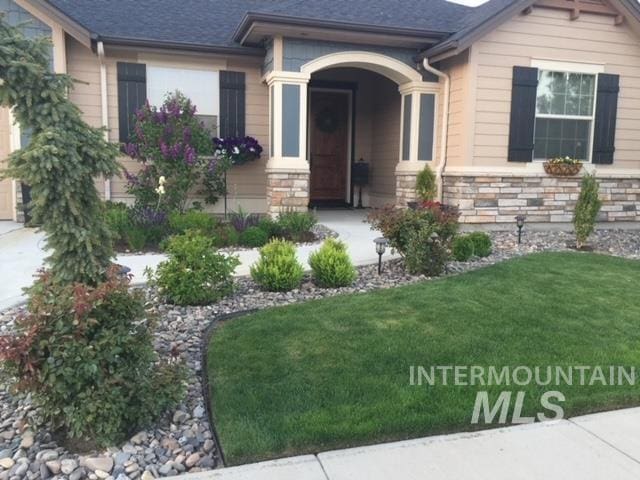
405	188
287	192
498	199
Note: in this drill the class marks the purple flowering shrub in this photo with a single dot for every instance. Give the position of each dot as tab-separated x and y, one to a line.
168	141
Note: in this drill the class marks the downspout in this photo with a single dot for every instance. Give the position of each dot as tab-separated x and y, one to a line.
445	126
104	102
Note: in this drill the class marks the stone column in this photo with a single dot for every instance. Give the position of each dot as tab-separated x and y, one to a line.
417	137
288	167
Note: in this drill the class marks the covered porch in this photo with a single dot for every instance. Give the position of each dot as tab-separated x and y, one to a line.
349	122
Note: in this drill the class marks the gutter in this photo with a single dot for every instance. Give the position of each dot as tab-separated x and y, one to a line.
445	125
104	104
185	46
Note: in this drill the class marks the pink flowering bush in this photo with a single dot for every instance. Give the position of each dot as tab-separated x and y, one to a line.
168	142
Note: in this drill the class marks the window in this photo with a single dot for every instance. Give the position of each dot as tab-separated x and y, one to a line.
564	115
202	87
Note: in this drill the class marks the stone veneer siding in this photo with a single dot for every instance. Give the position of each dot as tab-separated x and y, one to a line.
542	198
287	191
405	189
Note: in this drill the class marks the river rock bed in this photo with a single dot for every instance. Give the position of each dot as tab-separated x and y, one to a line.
183	440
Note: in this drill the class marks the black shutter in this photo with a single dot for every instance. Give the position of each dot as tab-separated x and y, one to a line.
132	93
232	104
604	135
523	113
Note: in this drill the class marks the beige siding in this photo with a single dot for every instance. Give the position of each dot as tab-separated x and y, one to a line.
6	202
247	184
547	34
386	141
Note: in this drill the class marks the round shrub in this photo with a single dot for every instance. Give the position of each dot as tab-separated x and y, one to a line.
254	237
463	248
297	225
426	252
331	265
481	244
270	226
118	219
192	220
85	353
277	269
195	273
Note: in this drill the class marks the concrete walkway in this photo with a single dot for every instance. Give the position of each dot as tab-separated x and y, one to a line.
593	447
21	252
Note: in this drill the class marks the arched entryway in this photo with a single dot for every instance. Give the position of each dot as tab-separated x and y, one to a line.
343	107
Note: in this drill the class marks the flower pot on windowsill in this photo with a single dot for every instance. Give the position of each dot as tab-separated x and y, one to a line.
562	169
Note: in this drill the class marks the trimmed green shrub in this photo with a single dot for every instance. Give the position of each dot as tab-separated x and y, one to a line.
425	252
195	273
118	218
277	269
254	237
463	248
426	187
196	220
587	209
481	244
331	265
86	356
297	225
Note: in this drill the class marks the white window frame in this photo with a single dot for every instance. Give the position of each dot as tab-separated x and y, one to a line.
571	67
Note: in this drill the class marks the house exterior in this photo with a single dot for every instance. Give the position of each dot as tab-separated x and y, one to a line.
482	95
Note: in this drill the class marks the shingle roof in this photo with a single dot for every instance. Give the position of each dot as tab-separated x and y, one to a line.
211	23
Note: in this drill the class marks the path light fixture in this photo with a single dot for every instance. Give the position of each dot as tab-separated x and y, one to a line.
381	247
520	223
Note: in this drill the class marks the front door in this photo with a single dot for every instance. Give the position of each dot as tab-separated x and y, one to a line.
329	130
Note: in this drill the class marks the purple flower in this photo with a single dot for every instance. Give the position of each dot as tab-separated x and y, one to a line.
190	155
164	149
186	135
131	149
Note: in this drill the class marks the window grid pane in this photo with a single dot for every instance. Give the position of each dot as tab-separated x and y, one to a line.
556	137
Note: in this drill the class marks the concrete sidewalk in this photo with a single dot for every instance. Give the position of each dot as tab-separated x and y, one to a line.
592	447
21	252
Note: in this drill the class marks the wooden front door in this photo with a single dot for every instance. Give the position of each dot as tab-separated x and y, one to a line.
329	130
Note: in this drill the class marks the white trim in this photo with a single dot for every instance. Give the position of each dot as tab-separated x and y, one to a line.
571	67
389	67
350	112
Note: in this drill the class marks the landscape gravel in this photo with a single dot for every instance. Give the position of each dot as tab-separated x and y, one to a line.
183	440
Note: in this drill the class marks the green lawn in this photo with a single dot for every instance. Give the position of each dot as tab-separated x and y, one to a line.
334	373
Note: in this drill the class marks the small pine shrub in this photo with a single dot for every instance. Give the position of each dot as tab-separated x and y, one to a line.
254	237
587	209
426	253
86	355
201	222
332	266
136	238
426	187
195	273
463	248
481	244
297	225
118	219
277	269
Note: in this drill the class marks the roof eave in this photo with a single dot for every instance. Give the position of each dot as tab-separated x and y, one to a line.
250	18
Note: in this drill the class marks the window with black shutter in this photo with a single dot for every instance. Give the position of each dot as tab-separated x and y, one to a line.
523	114
132	93
604	132
232	104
